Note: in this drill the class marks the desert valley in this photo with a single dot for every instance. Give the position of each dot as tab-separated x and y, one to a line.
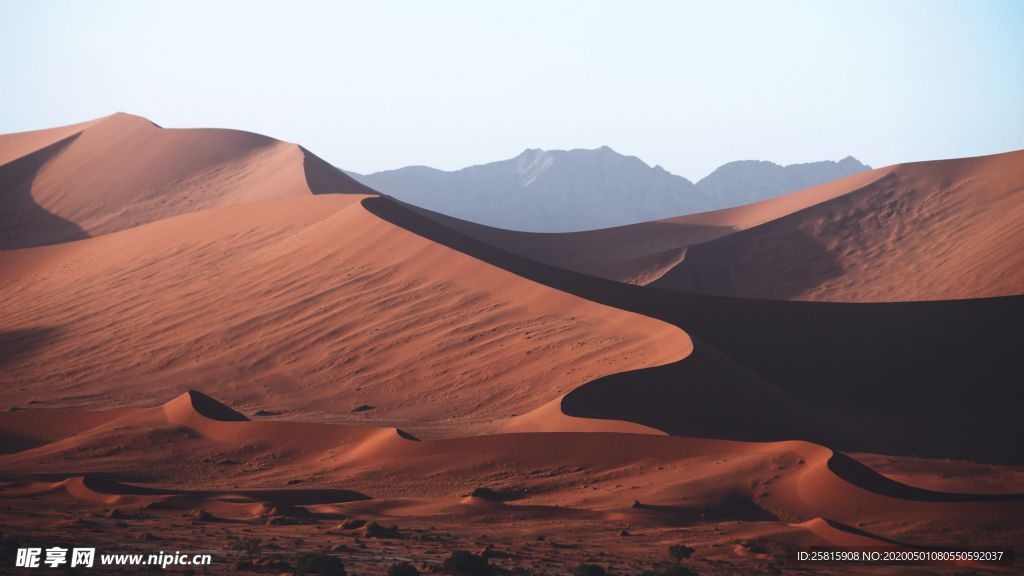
211	337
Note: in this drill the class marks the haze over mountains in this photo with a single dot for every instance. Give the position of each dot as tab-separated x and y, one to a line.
574	190
938	230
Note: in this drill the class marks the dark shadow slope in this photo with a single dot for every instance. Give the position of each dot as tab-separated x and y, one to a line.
288	496
937	379
322	178
706	395
606	253
23	222
212	409
863	477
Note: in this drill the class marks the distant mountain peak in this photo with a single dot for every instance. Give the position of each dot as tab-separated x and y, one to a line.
583	189
852	162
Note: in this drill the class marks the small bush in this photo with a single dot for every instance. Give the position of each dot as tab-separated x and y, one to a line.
589	570
403	568
320	563
680	552
462	563
636	504
362	408
250	546
623	533
115	513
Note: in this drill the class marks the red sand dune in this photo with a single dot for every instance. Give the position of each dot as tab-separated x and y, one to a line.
922	231
234	275
640	253
122	171
781	489
883	377
310	305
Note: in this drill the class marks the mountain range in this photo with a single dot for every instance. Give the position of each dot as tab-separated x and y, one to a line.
575	190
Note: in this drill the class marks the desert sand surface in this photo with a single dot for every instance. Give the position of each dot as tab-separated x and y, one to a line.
736	503
880	377
211	335
308	306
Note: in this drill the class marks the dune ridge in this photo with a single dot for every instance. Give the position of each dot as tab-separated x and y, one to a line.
935	230
122	171
317	306
900	367
938	230
788	481
641	253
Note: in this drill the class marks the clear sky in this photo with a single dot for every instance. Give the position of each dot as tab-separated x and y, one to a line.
373	85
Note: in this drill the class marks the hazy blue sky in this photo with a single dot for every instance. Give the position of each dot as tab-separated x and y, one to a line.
374	85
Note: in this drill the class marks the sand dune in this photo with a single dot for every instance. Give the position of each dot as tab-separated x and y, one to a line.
679	481
274	276
924	231
889	377
310	306
551	417
641	253
122	171
14	146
